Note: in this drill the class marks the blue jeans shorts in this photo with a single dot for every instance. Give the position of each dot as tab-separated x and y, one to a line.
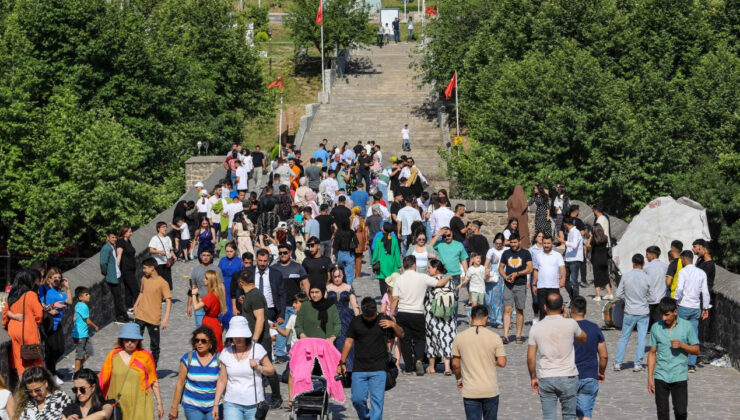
588	389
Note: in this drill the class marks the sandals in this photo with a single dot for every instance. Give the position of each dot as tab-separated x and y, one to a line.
505	340
448	373
288	405
519	340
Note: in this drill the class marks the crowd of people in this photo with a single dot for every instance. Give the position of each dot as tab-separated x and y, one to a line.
276	265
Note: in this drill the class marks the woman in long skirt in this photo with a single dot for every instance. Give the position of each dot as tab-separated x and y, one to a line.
494	299
440	332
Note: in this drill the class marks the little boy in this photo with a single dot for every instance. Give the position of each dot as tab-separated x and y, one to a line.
148	306
289	330
80	331
476	277
221	245
182	243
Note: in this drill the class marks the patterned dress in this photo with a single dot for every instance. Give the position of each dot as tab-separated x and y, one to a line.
346	313
494	299
440	332
542	204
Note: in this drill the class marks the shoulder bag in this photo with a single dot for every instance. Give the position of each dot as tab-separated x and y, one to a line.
170	260
262	406
28	351
117	411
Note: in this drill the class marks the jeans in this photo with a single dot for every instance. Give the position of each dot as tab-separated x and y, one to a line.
198	314
588	389
281	342
571	282
413	343
564	388
374	384
629	323
679	391
428	228
153	337
347	260
193	414
406	144
411	35
481	408
233	411
693	316
326	248
257	174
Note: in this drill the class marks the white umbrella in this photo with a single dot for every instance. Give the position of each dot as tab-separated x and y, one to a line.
663	220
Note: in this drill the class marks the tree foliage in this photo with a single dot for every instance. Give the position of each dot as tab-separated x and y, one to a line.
345	24
623	100
102	101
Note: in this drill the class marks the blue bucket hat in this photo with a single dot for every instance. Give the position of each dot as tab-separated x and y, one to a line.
131	331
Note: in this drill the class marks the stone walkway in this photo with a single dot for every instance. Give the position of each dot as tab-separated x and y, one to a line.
712	391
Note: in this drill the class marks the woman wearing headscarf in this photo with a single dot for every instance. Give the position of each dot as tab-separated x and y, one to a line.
23	300
320	319
311	203
517	207
386	255
243	229
357	224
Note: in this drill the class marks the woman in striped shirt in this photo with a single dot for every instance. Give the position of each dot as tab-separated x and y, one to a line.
196	382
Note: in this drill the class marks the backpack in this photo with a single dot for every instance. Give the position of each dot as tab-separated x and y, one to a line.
444	303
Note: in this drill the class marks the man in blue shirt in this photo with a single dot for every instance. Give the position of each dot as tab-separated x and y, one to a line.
591	359
671	342
360	198
322	154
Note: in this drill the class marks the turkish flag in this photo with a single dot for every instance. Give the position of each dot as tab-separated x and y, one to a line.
451	85
320	14
278	83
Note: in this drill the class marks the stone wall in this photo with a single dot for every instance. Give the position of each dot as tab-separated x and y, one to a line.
198	168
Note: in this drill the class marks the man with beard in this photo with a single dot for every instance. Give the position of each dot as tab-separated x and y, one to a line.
295	280
316	264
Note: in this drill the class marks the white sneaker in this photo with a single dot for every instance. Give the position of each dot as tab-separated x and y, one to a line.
58	381
617	367
637	368
597	298
609	297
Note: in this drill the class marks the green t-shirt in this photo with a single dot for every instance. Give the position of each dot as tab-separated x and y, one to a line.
451	255
672	365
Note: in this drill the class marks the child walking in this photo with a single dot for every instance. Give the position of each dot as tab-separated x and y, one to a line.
80	329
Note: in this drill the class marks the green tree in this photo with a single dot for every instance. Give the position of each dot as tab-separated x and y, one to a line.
345	24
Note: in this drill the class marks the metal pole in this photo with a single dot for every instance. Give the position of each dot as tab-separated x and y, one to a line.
423	12
404	9
457	108
323	82
280	133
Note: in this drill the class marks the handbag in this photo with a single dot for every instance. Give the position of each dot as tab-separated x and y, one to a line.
28	351
262	406
170	260
117	411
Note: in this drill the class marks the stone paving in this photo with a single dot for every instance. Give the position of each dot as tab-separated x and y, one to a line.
712	391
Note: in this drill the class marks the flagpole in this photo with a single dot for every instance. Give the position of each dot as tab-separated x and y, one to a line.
457	108
280	133
323	84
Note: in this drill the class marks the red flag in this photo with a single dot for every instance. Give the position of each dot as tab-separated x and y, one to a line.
320	14
451	85
278	83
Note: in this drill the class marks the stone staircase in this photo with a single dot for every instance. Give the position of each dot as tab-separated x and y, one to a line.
374	99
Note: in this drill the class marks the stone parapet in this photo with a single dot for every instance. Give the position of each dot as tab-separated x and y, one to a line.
198	168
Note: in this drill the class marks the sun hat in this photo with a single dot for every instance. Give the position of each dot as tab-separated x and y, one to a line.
238	328
390	280
132	331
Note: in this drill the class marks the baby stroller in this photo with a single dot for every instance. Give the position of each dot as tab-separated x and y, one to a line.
313	362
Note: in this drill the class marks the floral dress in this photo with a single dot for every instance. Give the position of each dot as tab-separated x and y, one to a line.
542	204
244	236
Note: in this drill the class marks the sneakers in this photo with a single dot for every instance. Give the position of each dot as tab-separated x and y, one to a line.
617	367
692	369
638	368
58	381
597	298
419	368
609	297
583	284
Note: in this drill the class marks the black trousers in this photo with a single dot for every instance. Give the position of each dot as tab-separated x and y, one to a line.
655	315
413	343
166	273
153	337
53	349
542	293
679	392
274	379
383	287
116	291
131	287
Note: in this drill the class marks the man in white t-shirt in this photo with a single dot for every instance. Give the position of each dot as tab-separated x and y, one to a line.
409	290
549	273
573	257
232	209
405	138
441	217
551	359
215	217
160	247
405	218
242	177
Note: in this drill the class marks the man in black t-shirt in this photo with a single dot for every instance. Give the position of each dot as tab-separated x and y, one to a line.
515	264
476	242
295	280
326	229
316	264
364	161
258	159
369	333
396	205
705	262
457	226
340	214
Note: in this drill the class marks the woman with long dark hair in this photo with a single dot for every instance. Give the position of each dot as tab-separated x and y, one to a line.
196	380
512	226
440	332
55	296
343	296
22	315
89	403
126	256
205	235
597	241
38	397
386	255
229	265
542	209
243	229
494	299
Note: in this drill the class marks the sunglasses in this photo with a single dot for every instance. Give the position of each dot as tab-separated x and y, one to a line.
312	245
284	252
201	341
35	391
129	340
81	389
447	236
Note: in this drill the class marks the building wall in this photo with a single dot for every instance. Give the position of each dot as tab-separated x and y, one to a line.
199	168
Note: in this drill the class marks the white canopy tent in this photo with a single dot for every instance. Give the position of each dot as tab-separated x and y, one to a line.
663	220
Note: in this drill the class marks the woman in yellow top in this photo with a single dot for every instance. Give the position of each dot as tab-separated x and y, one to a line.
129	375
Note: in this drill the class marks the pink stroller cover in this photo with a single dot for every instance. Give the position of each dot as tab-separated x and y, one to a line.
302	356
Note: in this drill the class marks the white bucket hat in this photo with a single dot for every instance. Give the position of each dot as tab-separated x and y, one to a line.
238	328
